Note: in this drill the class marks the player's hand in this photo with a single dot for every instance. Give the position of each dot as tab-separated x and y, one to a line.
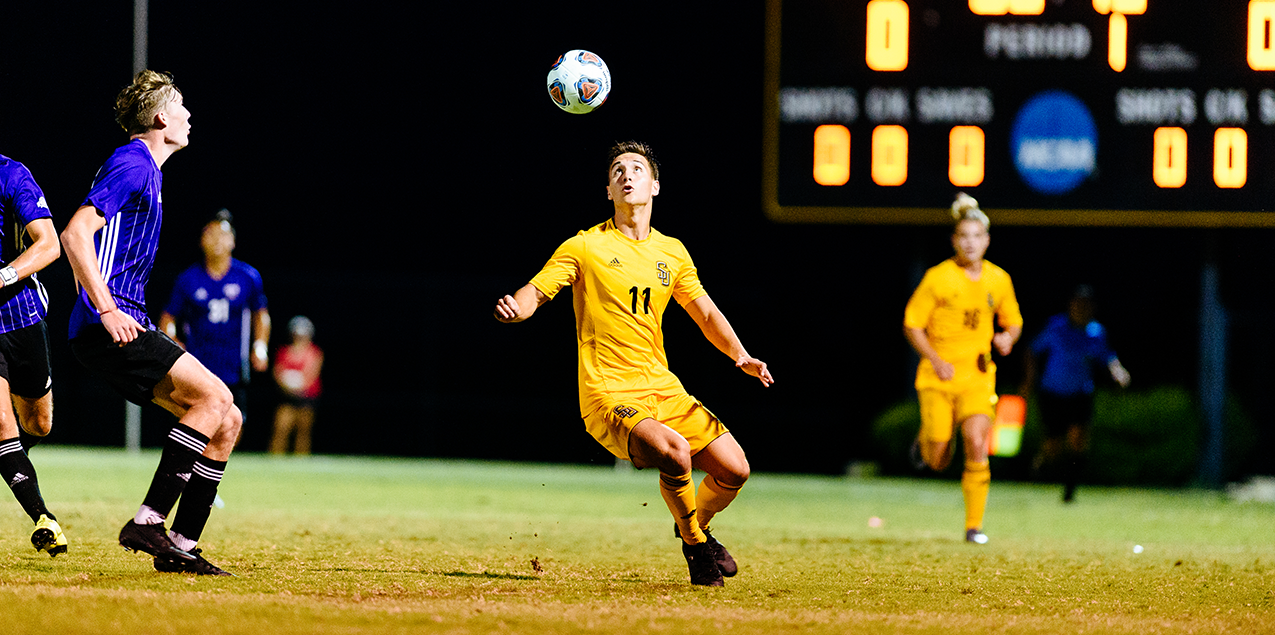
1119	373
944	370
1003	342
507	309
122	327
260	363
756	368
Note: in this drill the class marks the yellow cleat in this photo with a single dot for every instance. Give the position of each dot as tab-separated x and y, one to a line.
48	536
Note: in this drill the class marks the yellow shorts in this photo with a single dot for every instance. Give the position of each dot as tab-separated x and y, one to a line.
942	410
612	422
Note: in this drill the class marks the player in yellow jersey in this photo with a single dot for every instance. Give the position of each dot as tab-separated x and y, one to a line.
623	273
949	321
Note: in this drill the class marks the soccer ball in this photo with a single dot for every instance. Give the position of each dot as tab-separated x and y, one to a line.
579	81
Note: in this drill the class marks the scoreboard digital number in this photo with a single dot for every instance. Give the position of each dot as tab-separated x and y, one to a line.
1049	112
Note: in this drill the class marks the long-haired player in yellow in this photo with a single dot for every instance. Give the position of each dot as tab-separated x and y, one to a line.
949	321
623	273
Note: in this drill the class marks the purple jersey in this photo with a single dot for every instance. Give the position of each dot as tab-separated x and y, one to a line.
126	192
215	317
21	203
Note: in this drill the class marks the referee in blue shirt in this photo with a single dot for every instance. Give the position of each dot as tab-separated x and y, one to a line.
1064	356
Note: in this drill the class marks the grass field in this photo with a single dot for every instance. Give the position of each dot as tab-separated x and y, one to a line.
348	545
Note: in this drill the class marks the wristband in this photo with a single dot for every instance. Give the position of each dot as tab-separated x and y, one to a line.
8	276
259	348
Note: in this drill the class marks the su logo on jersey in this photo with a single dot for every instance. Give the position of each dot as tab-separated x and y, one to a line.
662	272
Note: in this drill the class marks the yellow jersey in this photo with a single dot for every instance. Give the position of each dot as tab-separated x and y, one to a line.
956	313
620	288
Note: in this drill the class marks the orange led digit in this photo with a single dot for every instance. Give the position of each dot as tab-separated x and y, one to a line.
1026	7
887	35
1230	157
1168	168
1261	47
1001	7
1117	41
889	155
965	156
832	155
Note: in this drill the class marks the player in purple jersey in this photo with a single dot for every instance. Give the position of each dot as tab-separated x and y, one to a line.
110	243
218	311
28	243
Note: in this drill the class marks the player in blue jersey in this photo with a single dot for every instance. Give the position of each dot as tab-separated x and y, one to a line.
218	312
29	244
110	243
1064	356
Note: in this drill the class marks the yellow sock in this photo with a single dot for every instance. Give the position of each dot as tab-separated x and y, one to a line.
975	482
711	498
679	495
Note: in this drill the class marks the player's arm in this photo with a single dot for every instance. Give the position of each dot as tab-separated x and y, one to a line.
77	241
920	342
168	326
521	305
44	250
260	338
718	331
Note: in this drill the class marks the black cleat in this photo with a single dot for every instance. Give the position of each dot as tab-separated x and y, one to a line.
198	566
150	539
914	457
721	556
975	536
700	562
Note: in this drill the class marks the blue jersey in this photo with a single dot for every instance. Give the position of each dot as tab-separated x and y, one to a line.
126	192
1070	355
21	203
215	317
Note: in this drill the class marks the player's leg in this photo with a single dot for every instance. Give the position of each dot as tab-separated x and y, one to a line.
653	444
726	470
938	416
204	404
27	379
19	474
305	424
976	480
285	417
1077	444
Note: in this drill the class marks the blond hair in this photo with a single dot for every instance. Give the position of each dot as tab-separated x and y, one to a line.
966	208
137	105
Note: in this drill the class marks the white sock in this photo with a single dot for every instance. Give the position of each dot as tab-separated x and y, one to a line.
181	542
148	516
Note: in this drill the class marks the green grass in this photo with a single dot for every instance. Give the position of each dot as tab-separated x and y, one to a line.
347	545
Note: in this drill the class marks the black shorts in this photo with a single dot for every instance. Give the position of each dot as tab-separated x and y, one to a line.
134	369
1060	412
24	361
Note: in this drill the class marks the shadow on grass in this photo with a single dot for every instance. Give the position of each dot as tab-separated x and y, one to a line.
490	576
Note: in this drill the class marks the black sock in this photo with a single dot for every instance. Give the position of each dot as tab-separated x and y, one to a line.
197	499
28	440
17	471
182	448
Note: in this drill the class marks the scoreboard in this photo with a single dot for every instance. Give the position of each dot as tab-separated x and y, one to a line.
1049	112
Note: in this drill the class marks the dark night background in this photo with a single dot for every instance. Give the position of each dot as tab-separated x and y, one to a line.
393	170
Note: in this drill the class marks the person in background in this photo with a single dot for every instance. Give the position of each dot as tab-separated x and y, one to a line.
217	311
950	321
1063	358
296	370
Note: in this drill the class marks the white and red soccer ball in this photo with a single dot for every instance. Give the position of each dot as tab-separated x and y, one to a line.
579	81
